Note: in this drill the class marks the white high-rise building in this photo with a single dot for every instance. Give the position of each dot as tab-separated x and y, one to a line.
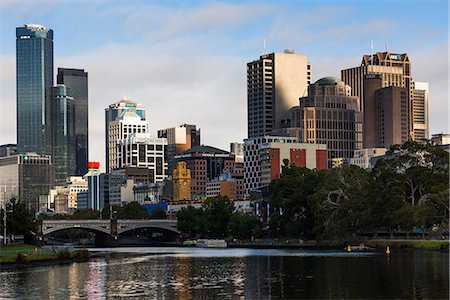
127	123
143	151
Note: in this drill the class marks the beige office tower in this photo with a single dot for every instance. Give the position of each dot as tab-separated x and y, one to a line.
275	82
380	70
331	116
420	111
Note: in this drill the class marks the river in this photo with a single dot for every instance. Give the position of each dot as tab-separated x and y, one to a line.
193	273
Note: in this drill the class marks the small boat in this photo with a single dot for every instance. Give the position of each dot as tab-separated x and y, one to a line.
190	243
360	247
211	243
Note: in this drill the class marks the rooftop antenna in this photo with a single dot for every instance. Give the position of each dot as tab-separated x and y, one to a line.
264	49
371	55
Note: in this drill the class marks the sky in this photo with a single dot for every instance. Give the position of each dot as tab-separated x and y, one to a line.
185	61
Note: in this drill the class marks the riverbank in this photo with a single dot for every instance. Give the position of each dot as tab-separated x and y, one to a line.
23	256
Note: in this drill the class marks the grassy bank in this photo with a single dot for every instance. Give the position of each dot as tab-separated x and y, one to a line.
409	244
394	244
25	254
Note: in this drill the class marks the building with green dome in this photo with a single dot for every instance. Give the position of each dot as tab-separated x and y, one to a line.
330	115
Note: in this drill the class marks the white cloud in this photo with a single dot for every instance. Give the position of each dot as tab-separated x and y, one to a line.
179	65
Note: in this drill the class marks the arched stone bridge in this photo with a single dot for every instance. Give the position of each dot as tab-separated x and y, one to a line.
110	228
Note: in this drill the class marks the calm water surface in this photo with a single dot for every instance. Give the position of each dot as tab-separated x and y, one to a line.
185	273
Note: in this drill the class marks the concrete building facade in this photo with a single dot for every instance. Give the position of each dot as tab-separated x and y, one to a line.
205	163
112	112
263	158
392	114
420	111
8	150
26	176
274	83
330	116
140	150
377	71
179	139
127	123
362	157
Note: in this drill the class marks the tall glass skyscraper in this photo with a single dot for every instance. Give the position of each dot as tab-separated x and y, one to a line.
77	81
34	75
63	155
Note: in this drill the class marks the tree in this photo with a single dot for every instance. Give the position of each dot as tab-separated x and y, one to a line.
416	178
244	226
158	213
19	220
342	202
86	214
190	220
217	215
132	210
107	210
291	215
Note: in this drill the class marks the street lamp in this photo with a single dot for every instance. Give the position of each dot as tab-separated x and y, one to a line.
5	212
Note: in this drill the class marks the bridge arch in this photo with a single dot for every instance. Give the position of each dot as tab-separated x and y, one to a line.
140	226
93	229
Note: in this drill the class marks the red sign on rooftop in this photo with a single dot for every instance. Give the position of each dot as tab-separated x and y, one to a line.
93	165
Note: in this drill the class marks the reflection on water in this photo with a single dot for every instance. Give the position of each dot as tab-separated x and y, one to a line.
184	273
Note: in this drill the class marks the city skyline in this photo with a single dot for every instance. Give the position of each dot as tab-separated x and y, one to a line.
183	64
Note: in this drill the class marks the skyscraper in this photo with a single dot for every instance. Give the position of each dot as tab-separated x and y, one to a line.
77	81
275	82
331	116
112	112
34	76
127	123
179	139
63	154
391	116
380	70
420	111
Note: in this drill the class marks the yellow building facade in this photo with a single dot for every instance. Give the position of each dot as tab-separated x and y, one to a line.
181	180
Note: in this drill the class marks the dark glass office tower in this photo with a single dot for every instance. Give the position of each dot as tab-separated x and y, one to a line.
77	81
64	153
34	76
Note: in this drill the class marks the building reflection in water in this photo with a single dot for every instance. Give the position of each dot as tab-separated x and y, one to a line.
95	285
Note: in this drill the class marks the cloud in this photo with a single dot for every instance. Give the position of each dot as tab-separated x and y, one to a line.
187	64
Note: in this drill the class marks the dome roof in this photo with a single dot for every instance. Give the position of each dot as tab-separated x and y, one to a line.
328	81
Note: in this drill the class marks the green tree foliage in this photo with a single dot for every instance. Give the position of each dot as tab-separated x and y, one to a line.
407	189
217	215
19	220
158	213
190	220
244	226
132	210
291	214
416	180
86	214
110	210
342	202
215	219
